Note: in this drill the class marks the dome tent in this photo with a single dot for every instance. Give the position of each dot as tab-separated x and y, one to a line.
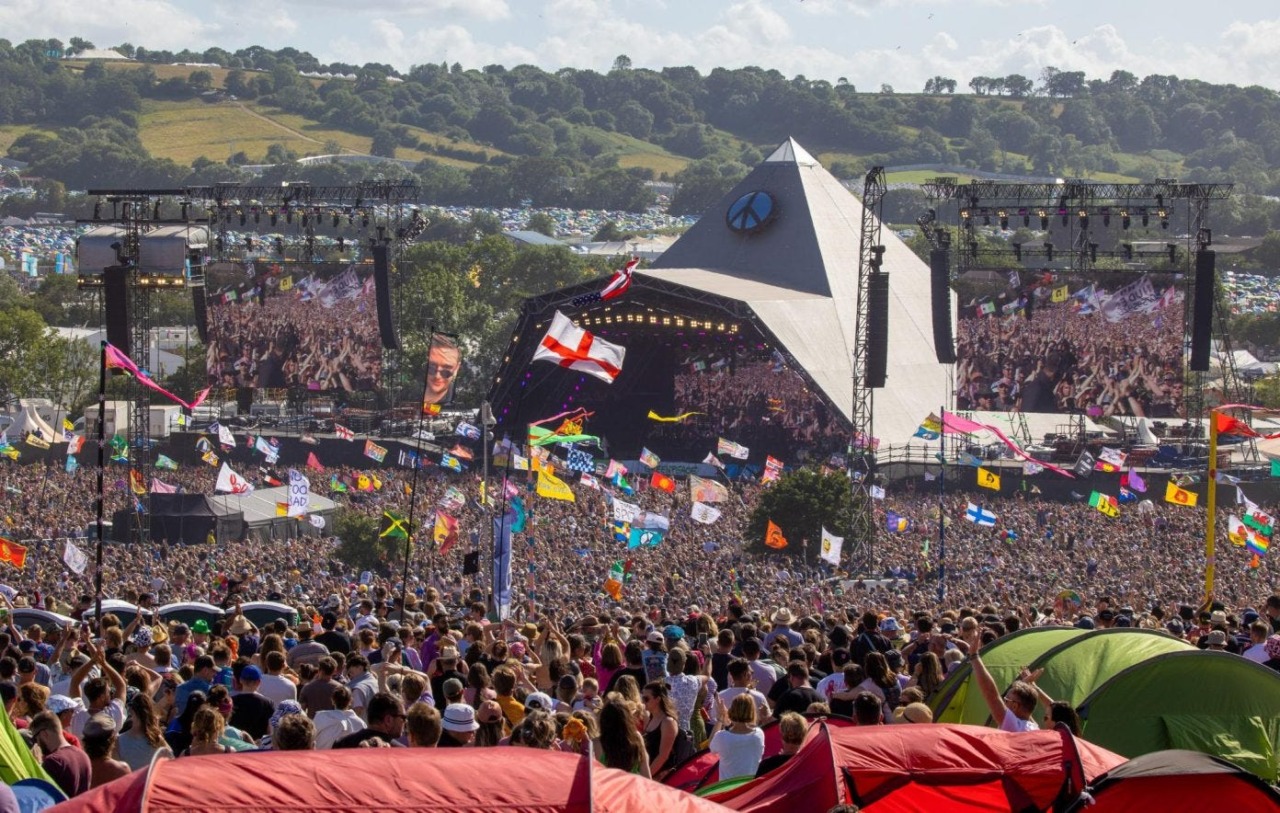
1074	668
401	779
1168	702
1176	782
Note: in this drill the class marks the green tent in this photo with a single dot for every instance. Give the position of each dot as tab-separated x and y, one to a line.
1216	703
1075	668
958	699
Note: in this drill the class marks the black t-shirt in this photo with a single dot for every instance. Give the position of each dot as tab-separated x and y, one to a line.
251	713
354	740
335	641
437	686
797	700
636	672
720	668
772	763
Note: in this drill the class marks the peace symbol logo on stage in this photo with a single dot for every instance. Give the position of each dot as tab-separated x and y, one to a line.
751	212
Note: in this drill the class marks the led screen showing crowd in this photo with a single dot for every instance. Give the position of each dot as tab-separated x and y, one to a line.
299	325
1108	345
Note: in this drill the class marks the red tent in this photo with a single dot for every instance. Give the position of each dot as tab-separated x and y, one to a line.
927	766
512	779
1178	782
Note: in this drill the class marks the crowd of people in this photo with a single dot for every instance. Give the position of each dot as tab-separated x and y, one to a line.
709	639
1063	359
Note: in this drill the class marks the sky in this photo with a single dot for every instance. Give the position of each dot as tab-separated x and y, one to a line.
901	43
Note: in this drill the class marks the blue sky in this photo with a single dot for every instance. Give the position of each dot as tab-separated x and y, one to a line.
901	43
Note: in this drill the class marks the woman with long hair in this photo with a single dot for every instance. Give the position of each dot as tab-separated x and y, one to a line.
621	745
666	743
178	734
143	735
479	686
927	675
608	661
206	729
489	716
881	681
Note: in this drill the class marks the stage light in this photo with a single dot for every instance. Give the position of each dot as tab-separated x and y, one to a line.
1044	219
1124	218
964	215
1083	214
1163	214
1048	251
1004	219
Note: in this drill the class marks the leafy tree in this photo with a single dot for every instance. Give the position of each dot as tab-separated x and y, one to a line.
200	81
542	223
609	233
384	144
702	183
801	503
360	547
622	63
29	356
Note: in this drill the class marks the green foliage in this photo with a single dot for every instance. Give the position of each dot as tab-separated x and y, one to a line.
31	360
802	503
360	547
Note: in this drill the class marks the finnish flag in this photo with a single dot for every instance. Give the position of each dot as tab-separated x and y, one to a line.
980	515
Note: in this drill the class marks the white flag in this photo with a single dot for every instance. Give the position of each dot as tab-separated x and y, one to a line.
299	493
704	513
225	437
231	483
519	462
1029	468
317	521
876	492
75	558
625	511
570	346
831	545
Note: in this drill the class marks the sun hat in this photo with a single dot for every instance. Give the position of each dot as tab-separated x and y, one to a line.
200	627
782	617
459	717
59	703
913	713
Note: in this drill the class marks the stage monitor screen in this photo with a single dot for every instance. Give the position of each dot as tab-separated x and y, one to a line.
1102	345
310	326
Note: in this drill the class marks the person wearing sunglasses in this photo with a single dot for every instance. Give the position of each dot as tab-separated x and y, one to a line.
443	363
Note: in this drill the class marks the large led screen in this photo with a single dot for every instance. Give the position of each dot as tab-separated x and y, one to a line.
302	325
1107	345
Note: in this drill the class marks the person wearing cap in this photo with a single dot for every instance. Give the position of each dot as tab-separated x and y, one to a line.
892	631
64	708
99	742
445	669
459	726
1215	641
251	711
385	727
782	620
68	766
654	657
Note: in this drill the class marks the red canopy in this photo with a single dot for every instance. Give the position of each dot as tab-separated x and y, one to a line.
404	780
927	766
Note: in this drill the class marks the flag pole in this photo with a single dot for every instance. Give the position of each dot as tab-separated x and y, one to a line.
413	488
942	514
102	445
1211	506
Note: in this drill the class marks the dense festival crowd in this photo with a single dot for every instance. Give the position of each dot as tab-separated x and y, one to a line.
707	639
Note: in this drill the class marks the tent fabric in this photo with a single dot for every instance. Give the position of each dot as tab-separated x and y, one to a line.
935	766
703	769
518	780
1177	781
259	516
1074	668
958	700
28	421
1217	703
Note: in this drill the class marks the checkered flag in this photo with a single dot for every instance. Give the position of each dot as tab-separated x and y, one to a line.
579	460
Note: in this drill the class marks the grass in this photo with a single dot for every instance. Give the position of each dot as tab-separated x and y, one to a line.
185	131
12	132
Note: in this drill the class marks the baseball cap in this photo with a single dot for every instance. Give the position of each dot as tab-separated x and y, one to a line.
99	725
452	687
673	632
59	703
459	717
655	637
540	701
250	673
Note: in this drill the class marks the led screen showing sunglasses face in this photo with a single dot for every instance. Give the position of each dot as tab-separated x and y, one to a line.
444	361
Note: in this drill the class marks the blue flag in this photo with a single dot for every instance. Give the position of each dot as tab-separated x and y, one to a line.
981	516
519	515
644	537
72	464
502	563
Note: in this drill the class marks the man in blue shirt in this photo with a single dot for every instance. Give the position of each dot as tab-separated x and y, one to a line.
201	681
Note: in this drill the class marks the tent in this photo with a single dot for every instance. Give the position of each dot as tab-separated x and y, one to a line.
1217	703
1074	668
1177	782
958	700
28	422
188	518
401	779
261	518
702	770
926	767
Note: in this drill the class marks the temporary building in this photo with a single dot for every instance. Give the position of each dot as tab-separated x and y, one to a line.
260	513
1177	781
1217	703
958	700
185	518
189	612
401	779
1075	668
908	767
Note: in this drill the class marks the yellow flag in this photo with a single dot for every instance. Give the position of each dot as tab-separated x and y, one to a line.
988	479
653	416
286	283
282	509
552	488
1060	294
1179	496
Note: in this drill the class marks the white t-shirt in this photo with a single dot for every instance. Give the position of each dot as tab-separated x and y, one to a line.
114	709
739	753
831	685
1256	653
1013	723
733	691
277	688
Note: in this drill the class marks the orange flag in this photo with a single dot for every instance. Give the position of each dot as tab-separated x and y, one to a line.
662	482
13	553
773	537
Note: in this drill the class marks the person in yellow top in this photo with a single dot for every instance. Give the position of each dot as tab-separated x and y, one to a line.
504	684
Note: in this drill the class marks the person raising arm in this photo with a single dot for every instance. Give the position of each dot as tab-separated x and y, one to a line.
1013	711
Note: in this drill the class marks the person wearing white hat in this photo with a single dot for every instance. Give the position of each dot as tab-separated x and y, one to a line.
782	621
459	725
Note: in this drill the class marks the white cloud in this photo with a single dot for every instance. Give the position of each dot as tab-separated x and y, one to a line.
386	41
155	24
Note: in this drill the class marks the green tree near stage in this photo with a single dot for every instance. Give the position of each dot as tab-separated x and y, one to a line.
359	545
802	503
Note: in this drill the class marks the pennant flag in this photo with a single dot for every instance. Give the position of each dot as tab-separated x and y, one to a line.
734	450
1228	425
394	525
374	452
231	483
701	490
1105	504
580	461
1179	496
773	536
704	513
831	547
576	349
876	492
772	469
895	523
649	458
76	560
343	432
158	486
554	489
645	538
446	532
116	360
653	416
988	479
662	482
930	428
313	462
167	463
1258	545
619	481
13	553
712	460
136	484
979	515
969	459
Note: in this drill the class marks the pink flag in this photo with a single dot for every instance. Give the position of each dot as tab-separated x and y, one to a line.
313	462
953	423
159	487
116	360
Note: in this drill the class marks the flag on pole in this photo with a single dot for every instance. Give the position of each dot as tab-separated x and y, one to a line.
343	432
704	513
662	482
616	579
734	450
649	458
163	462
116	360
980	516
624	511
988	479
831	547
313	462
375	452
13	553
551	487
568	345
502	530
712	460
701	490
772	469
1179	496
446	532
231	483
1105	503
394	525
76	560
773	536
158	486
